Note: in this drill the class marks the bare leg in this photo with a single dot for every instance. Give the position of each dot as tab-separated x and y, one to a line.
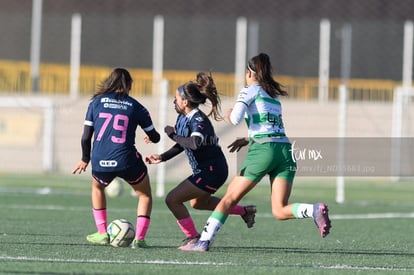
98	195
281	190
236	190
143	192
186	191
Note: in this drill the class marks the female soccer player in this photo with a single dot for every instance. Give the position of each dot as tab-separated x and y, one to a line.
194	134
112	118
268	153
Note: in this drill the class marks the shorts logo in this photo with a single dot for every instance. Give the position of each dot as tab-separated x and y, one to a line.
108	163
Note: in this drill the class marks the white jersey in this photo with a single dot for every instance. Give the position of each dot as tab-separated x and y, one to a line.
262	113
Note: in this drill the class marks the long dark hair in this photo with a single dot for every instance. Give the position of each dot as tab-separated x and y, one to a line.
198	92
119	81
261	67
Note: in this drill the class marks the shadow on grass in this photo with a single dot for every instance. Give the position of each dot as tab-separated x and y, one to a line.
221	249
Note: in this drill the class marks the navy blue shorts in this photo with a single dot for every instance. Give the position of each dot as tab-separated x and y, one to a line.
133	174
211	176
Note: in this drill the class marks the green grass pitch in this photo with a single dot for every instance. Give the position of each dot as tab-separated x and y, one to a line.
45	219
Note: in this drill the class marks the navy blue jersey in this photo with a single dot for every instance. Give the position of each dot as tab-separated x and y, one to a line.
114	123
196	123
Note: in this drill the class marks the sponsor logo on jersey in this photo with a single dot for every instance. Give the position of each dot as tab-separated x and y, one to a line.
108	163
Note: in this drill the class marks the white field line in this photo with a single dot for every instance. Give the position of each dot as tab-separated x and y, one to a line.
359	216
163	262
261	215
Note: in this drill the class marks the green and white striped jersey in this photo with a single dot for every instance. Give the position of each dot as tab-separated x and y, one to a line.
262	113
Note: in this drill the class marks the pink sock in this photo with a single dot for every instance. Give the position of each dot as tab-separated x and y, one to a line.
143	223
100	219
237	210
187	226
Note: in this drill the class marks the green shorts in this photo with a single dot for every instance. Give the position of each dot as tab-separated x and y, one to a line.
270	158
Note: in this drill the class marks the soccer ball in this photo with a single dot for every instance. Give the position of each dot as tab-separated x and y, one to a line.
121	233
115	188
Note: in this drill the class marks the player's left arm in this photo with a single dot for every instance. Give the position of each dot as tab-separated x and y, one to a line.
153	135
146	124
192	142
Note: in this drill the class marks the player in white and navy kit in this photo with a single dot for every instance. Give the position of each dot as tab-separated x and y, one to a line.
269	154
111	120
194	134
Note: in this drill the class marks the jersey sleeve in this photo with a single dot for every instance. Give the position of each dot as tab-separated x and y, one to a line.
145	121
89	115
247	95
238	113
198	127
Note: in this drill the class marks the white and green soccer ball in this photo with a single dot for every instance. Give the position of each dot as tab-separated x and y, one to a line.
121	233
115	188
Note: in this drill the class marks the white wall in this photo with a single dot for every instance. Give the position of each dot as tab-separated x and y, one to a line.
301	118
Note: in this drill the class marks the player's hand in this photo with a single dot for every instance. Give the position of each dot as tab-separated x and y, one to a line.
238	144
153	159
147	140
80	167
228	113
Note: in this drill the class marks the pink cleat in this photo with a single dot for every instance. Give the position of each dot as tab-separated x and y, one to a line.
189	240
321	218
199	246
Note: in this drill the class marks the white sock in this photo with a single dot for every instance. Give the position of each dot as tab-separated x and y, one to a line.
210	229
303	210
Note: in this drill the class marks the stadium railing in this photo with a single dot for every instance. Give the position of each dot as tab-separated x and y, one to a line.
55	80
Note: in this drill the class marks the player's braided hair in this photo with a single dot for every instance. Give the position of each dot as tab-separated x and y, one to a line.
119	81
261	67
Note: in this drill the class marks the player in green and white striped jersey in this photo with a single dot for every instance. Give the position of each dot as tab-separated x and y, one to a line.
269	153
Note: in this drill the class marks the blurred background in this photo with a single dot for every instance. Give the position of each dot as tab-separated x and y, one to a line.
53	53
201	35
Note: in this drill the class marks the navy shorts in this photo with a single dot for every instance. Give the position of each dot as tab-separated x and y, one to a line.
133	174
211	176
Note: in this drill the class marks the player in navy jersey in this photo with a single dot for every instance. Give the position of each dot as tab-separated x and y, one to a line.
112	119
194	134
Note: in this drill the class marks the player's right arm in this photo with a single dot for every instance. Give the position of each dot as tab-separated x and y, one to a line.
86	144
172	152
236	114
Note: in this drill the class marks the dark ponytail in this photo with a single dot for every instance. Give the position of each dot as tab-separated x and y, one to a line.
208	88
197	93
260	65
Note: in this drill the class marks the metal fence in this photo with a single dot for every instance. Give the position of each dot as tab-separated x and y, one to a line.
201	36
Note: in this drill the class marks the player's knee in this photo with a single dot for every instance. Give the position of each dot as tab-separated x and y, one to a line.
278	214
197	204
169	200
194	204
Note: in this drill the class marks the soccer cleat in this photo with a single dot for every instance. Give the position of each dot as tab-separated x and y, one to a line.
250	214
138	244
98	238
321	218
199	246
189	240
